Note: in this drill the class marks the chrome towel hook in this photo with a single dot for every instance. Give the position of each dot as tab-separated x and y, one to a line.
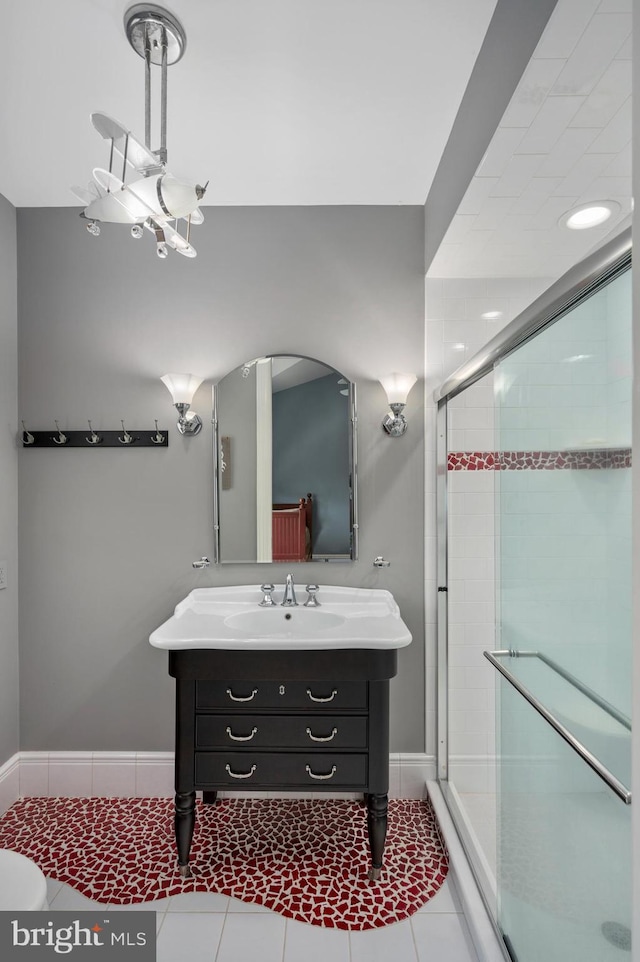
157	438
126	437
95	438
27	438
62	438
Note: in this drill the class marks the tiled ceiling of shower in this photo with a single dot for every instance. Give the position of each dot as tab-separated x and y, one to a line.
564	139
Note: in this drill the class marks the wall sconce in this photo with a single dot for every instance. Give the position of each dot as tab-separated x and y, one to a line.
397	387
182	387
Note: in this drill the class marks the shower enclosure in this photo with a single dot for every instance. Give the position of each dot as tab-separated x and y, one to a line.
534	621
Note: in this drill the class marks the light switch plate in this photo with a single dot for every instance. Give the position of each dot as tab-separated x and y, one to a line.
3	574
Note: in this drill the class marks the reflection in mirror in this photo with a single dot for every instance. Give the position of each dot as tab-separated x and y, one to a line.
285	463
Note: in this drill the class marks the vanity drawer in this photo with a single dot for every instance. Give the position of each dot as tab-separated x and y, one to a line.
248	731
294	770
289	695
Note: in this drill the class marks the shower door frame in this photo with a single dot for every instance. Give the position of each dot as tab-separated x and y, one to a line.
574	287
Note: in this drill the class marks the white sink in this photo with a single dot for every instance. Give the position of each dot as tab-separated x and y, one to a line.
232	618
278	622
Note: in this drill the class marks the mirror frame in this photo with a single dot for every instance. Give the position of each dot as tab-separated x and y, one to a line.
353	456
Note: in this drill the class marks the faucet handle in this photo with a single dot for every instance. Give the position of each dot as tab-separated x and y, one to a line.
312	601
267	600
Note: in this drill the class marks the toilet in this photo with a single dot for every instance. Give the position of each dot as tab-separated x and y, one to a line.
23	887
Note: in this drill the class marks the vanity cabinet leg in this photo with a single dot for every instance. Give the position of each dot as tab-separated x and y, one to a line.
377	806
185	820
209	798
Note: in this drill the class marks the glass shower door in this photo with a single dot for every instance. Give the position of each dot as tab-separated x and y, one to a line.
469	787
563	650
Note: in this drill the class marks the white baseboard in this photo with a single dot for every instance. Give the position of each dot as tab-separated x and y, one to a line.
150	774
9	782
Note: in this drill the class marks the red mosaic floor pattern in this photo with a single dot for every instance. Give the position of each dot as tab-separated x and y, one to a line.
306	859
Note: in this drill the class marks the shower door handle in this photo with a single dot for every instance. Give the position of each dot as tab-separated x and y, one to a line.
594	763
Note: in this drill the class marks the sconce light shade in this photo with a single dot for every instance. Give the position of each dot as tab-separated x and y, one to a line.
182	387
397	387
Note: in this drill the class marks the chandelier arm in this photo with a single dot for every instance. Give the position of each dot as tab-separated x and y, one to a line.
147	87
163	100
124	158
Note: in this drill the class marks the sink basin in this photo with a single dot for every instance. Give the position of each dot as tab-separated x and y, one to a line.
281	622
232	618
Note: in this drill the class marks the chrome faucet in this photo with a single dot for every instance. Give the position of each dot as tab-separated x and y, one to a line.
289	599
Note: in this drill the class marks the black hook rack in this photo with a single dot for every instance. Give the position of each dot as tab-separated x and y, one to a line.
123	438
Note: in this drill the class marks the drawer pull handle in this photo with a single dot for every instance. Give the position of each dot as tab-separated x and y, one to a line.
240	774
322	700
242	738
248	698
320	777
320	738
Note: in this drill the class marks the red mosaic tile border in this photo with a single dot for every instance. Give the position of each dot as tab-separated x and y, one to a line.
306	859
596	459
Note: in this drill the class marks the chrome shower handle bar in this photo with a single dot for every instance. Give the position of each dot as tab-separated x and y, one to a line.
592	695
594	763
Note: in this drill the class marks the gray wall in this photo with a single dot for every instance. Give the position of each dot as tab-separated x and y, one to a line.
8	483
107	537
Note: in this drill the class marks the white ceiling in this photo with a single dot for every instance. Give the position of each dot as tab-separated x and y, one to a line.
276	102
564	139
289	102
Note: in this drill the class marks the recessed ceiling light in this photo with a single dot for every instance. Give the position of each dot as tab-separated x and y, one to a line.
491	315
589	215
458	347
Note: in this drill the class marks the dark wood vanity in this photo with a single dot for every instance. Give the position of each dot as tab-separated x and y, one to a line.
287	720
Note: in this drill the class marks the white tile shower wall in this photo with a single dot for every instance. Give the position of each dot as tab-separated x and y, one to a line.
455	327
571	387
568	389
553	565
565	536
471	598
619	552
619	363
553	392
455	331
150	774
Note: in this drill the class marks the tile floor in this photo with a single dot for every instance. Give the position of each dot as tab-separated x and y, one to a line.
203	927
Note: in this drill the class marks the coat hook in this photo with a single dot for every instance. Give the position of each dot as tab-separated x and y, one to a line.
126	437
62	438
95	438
157	438
27	438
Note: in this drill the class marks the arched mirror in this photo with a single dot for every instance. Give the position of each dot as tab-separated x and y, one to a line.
285	463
